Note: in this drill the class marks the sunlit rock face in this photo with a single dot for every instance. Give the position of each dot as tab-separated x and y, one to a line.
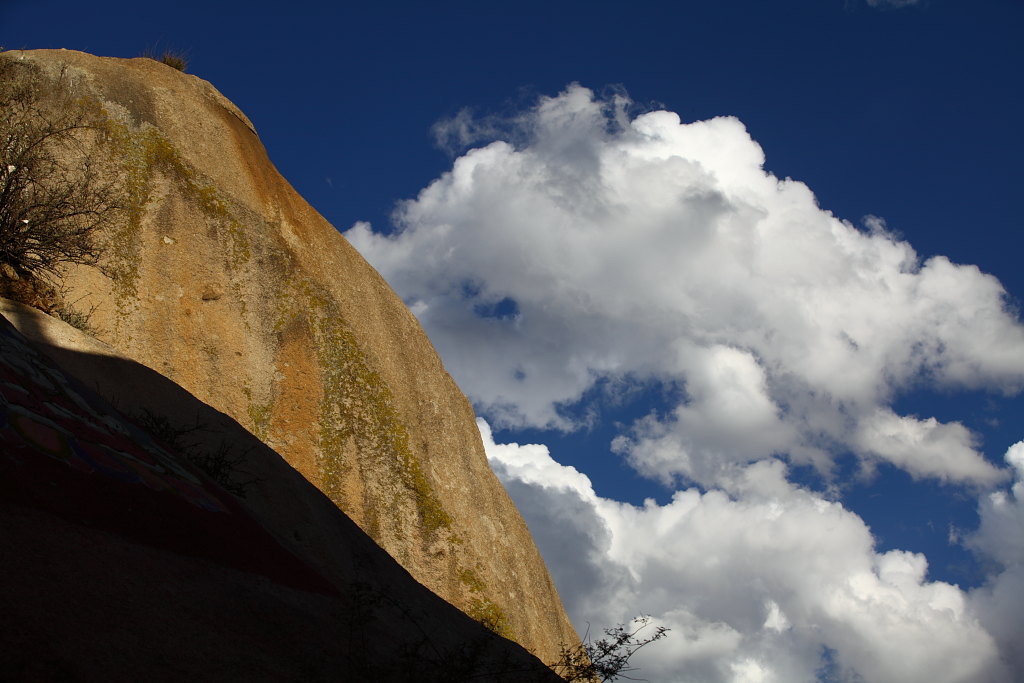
224	280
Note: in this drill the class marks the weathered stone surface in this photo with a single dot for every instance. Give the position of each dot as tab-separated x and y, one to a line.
226	281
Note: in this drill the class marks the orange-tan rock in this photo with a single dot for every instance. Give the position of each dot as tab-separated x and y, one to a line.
224	280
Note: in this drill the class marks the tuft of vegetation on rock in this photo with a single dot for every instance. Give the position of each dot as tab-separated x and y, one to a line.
74	316
176	59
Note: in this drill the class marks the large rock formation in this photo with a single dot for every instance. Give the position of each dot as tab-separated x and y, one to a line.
224	280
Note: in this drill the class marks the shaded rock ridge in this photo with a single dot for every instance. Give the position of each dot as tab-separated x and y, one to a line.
123	561
224	280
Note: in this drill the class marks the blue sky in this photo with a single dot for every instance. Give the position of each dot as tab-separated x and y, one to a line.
587	206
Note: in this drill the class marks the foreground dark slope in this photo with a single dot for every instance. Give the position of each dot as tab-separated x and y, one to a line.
226	282
121	561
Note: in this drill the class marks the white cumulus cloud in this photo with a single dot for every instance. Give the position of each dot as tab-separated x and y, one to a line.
763	582
1000	539
924	447
603	245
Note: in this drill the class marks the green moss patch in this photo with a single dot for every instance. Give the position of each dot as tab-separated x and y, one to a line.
482	608
358	408
141	153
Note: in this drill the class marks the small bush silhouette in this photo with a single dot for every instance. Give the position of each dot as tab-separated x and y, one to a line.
219	462
606	659
176	59
76	317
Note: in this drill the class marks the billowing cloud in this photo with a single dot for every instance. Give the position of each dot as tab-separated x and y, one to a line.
924	447
640	248
1000	539
764	581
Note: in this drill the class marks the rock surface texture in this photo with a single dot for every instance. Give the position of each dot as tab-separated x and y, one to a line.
224	280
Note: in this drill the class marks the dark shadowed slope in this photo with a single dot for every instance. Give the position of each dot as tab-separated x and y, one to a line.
122	561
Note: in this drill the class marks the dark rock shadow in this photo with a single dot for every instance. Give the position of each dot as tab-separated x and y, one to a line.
121	560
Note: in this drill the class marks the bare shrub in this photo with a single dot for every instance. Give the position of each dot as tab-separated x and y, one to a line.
55	194
220	462
606	659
